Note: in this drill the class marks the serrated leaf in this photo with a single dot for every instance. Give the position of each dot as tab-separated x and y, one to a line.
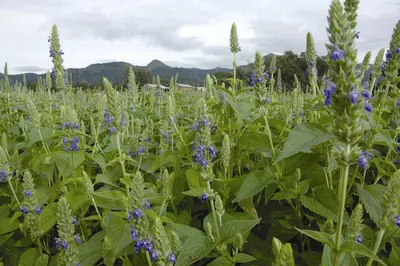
185	230
194	249
253	183
371	196
196	192
352	246
322	237
221	261
43	260
244	258
248	207
90	251
66	162
119	231
302	138
229	229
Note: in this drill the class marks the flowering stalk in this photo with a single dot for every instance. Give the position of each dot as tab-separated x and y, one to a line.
56	55
235	48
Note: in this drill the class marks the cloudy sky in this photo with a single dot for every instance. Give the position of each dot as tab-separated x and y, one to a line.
191	33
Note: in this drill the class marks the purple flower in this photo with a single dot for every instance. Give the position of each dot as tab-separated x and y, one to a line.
252	83
397	220
24	210
64	140
362	161
253	76
398	103
383	67
366	94
154	255
266	76
337	54
64	244
57	242
204	121
266	100
129	215
203	163
388	55
259	80
211	149
134	234
74	147
396	162
312	63
76	126
137	213
359	239
49	39
75	220
61	52
136	247
368	107
147	204
358	35
398	50
66	149
75	140
3	176
27	193
172	258
353	96
52	53
111	130
67	124
78	238
204	197
38	210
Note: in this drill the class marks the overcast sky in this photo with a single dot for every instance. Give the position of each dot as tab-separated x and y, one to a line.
190	33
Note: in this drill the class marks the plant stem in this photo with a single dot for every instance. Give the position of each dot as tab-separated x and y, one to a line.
342	202
148	258
377	244
214	212
12	189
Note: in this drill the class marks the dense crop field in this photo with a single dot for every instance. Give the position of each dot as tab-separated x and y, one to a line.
244	175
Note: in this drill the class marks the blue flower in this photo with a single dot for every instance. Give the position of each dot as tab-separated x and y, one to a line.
111	130
76	126
61	52
204	121
398	103
67	124
24	210
64	141
78	238
137	213
337	54
57	242
154	255
388	55
353	96
397	220
266	76
3	176
359	239
27	193
362	161
368	107
172	258
398	50
383	67
366	94
38	210
134	234
259	80
252	83
312	63
147	204
195	126
75	220
358	35
266	100
204	197
204	163
211	149
129	215
64	244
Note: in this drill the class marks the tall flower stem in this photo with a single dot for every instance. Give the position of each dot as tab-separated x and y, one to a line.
342	201
377	244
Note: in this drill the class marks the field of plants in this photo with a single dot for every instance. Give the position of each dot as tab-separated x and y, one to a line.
251	174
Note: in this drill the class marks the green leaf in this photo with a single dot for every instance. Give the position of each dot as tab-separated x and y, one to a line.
48	217
253	183
229	229
371	196
324	203
109	199
352	246
7	226
194	179
244	258
5	237
322	237
119	231
34	135
185	230
196	192
394	257
194	249
303	137
67	162
221	261
29	257
90	251
254	140
43	260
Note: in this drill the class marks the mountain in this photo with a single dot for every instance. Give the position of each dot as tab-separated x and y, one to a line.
115	73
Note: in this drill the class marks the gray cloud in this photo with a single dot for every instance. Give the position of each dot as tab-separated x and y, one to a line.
139	32
30	69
